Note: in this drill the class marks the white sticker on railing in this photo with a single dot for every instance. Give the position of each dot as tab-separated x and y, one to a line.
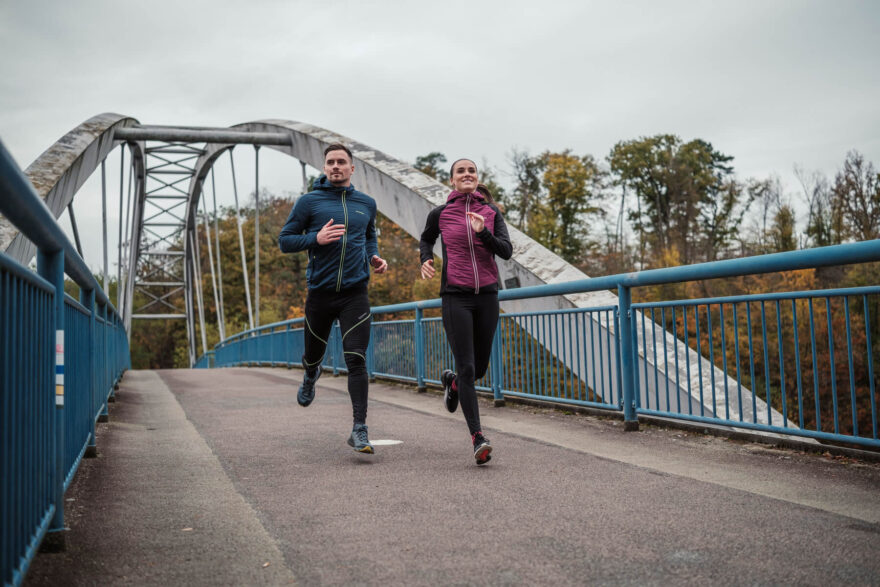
59	367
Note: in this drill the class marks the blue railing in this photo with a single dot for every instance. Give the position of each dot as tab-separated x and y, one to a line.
799	363
59	362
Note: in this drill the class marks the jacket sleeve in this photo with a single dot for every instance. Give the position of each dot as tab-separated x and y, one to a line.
498	243
429	235
372	244
293	237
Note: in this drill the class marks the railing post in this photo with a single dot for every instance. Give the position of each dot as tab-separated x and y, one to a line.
418	333
105	379
496	372
371	356
111	375
288	346
334	339
87	298
51	267
628	355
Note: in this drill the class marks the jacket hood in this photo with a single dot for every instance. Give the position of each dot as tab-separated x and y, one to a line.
323	184
455	195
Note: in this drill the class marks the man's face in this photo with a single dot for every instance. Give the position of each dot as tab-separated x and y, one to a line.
338	168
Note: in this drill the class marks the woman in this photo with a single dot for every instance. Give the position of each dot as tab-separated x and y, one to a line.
472	232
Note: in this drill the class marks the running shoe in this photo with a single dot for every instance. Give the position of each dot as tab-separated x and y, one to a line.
306	392
450	394
482	449
359	440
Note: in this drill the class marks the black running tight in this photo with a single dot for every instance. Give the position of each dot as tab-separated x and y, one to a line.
470	321
352	308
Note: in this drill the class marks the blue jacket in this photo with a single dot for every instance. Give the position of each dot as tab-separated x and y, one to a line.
346	262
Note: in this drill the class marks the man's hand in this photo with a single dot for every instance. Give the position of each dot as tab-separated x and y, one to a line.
428	269
379	264
330	233
477	221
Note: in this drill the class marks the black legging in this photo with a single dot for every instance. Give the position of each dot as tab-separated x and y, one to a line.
352	308
470	321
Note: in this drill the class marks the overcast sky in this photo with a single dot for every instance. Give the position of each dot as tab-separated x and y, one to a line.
771	83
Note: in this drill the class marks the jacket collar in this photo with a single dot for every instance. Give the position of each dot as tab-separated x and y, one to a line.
323	184
456	195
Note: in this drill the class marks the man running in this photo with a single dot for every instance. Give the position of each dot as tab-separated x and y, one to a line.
337	225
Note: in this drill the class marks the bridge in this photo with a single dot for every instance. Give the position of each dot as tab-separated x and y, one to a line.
569	499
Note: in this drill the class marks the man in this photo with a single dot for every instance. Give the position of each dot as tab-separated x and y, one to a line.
337	225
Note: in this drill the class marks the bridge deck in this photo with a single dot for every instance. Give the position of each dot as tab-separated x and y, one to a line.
218	477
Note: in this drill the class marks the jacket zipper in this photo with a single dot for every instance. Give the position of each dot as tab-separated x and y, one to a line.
467	227
344	239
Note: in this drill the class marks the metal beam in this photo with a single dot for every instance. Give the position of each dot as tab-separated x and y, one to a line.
60	171
218	135
160	284
24	209
79	248
157	316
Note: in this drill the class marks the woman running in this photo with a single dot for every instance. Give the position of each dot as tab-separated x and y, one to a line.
472	232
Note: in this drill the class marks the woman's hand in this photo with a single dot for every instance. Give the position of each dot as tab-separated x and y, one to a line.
477	221
428	269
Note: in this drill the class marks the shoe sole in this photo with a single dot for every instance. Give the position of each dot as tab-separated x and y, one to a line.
483	455
304	403
447	398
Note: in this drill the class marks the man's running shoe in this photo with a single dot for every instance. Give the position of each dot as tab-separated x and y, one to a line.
306	392
359	440
482	449
450	393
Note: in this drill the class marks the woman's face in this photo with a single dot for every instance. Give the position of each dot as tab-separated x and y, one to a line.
464	176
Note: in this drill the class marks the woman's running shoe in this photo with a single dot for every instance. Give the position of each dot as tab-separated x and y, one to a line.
450	392
482	449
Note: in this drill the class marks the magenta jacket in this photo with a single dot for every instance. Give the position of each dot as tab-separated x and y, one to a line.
468	257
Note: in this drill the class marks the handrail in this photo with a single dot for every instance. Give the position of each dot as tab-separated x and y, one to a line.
61	362
843	254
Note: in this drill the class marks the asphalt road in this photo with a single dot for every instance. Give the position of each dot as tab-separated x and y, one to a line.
220	478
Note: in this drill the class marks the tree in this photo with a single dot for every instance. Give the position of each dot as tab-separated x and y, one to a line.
856	193
721	215
686	194
573	187
522	203
781	235
824	219
489	178
432	164
402	253
766	194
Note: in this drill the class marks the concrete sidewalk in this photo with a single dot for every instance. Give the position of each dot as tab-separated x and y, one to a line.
219	478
